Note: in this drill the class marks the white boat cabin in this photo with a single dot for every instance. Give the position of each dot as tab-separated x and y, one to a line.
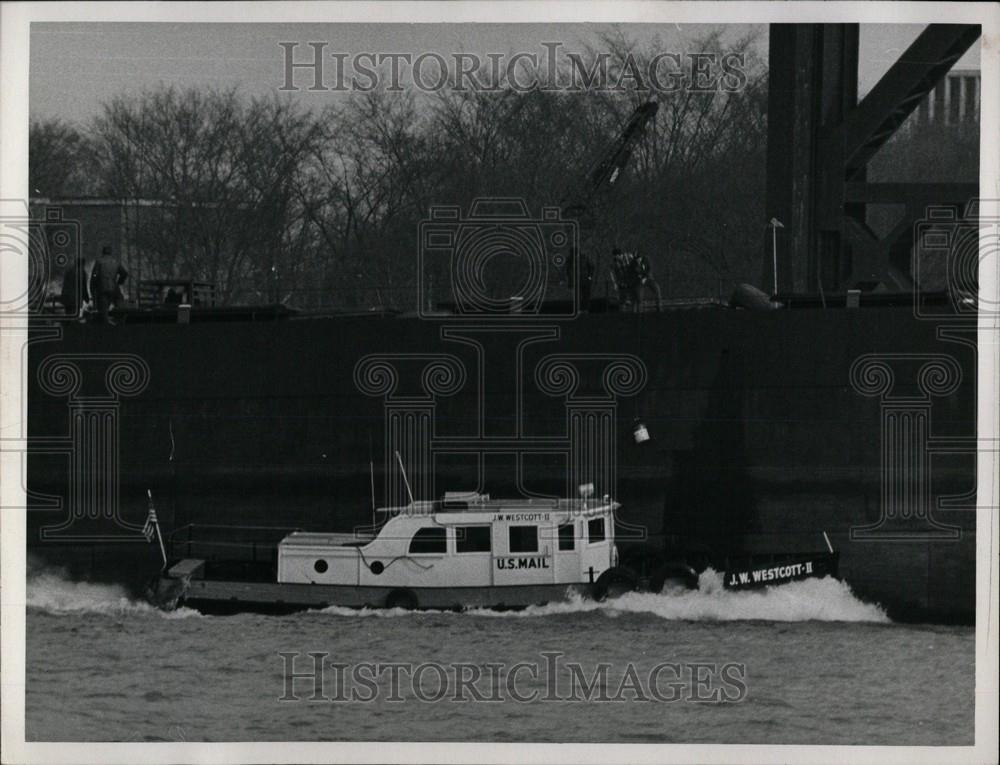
465	540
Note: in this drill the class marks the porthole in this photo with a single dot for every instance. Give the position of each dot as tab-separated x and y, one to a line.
320	566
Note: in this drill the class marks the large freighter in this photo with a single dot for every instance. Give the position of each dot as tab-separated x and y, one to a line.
722	432
843	401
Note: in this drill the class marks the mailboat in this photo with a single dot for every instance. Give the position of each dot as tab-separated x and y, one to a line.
464	551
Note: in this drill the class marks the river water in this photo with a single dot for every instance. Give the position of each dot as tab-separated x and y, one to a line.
804	663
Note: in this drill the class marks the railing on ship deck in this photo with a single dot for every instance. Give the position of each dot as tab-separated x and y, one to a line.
194	541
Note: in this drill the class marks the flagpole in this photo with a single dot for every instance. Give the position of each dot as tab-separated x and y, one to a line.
156	527
163	550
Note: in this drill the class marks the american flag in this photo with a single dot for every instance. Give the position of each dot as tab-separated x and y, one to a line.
149	530
152	527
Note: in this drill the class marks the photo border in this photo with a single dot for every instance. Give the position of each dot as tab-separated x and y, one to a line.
14	62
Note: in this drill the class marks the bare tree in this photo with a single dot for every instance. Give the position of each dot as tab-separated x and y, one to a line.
58	158
694	199
273	202
219	174
369	180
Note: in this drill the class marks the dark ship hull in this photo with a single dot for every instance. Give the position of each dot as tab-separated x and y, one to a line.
767	428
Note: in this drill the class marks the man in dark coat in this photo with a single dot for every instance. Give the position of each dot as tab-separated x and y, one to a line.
105	284
631	273
623	276
74	283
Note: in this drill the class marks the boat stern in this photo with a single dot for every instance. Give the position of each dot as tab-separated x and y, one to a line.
168	588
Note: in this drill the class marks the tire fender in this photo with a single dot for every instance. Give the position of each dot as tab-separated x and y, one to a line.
673	571
614	577
405	599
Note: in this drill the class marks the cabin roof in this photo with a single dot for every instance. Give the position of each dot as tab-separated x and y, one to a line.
325	539
484	504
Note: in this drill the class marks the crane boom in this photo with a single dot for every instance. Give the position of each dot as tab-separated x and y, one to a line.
608	168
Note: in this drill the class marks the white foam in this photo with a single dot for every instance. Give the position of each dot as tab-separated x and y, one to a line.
51	591
825	599
382	613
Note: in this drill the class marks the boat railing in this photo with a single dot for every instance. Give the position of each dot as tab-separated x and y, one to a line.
215	541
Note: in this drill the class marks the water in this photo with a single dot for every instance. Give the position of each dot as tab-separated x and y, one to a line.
818	667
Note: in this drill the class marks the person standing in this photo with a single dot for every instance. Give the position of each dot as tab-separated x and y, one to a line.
623	277
644	279
106	280
74	283
631	273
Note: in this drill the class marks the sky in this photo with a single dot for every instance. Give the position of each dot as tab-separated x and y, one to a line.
75	67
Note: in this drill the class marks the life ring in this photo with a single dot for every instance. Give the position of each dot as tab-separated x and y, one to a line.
614	582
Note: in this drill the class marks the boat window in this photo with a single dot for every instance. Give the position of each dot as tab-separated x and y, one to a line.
429	539
595	530
470	539
567	536
523	539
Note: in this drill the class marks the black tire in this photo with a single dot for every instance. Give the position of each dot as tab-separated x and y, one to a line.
678	576
614	582
404	599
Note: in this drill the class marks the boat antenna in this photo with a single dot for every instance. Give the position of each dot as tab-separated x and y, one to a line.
828	545
405	479
371	473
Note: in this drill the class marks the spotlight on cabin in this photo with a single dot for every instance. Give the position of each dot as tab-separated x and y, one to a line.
639	431
586	490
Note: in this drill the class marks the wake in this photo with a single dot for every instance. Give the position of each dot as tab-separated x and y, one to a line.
51	591
827	600
830	600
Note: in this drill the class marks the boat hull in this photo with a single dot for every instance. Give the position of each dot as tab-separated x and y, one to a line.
226	597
